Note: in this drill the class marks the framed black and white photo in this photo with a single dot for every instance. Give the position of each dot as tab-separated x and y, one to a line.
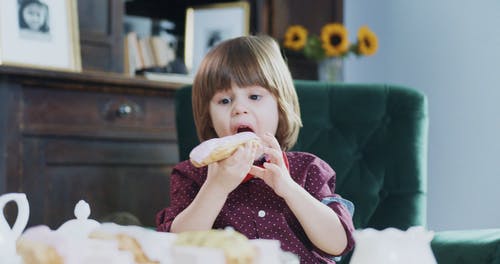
40	34
208	25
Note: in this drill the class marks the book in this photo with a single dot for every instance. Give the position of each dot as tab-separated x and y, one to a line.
133	58
146	52
162	53
180	79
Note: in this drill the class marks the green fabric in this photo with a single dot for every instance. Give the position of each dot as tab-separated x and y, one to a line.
375	138
467	246
186	131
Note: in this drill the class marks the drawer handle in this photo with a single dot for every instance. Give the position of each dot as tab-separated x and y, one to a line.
124	110
121	109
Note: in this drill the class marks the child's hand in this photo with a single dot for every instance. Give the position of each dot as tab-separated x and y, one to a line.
227	174
275	174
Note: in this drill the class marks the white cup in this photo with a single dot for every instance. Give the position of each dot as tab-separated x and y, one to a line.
8	235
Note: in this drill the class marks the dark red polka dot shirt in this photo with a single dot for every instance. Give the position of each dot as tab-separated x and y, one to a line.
256	211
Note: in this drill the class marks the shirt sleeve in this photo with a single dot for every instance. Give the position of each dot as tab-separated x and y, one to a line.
183	190
320	183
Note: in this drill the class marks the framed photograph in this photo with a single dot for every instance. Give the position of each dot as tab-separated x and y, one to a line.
208	25
40	34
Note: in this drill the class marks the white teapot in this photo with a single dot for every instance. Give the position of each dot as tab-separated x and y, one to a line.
8	235
391	246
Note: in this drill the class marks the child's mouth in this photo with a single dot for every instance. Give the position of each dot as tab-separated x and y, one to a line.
244	129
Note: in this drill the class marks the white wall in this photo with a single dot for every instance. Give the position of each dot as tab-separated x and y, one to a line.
450	50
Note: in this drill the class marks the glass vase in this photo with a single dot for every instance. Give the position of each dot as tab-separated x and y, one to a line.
331	70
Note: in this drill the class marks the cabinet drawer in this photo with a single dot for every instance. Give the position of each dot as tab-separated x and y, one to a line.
100	114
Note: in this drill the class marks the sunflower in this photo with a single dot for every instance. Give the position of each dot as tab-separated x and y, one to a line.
332	42
367	42
334	39
295	37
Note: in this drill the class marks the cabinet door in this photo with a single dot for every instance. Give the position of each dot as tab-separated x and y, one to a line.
112	176
311	14
101	40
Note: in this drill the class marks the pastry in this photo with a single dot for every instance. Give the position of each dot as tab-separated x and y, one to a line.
115	244
216	149
236	247
35	251
146	245
125	243
41	245
83	240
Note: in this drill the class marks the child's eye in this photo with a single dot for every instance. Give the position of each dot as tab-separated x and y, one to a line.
224	101
255	96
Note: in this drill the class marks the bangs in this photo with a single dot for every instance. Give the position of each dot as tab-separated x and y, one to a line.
235	64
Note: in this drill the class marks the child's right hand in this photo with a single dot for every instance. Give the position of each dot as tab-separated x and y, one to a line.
227	174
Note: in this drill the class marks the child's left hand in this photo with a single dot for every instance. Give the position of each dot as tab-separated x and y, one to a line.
275	174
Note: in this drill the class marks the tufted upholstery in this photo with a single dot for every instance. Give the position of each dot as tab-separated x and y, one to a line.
375	137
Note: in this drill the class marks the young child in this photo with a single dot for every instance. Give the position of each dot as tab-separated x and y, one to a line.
243	84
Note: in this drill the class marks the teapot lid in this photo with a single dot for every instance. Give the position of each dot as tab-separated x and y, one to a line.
80	227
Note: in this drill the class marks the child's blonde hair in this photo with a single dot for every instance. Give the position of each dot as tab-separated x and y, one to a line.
247	61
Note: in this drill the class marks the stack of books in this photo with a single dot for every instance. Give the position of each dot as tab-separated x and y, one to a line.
146	53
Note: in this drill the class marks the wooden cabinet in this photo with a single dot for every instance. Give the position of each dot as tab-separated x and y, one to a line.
101	34
104	138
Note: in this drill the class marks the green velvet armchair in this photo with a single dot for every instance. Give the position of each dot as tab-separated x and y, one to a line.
375	138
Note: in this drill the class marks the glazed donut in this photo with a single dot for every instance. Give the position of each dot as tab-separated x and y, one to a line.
216	149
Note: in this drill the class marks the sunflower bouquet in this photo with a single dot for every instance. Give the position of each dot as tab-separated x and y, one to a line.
332	42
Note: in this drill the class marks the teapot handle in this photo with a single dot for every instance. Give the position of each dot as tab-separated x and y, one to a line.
22	214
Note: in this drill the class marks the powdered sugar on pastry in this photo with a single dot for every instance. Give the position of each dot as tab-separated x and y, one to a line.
41	245
236	247
148	246
216	149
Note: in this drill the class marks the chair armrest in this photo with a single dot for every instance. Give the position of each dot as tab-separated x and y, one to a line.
467	246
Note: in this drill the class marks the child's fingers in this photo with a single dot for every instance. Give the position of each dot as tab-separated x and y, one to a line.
273	150
274	156
245	152
273	168
271	141
257	171
252	151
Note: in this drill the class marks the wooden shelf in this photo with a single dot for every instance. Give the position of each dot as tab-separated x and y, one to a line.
26	75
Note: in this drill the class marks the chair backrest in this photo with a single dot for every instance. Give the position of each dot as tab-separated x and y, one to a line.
373	135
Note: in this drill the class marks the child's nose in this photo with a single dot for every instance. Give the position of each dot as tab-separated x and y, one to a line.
239	108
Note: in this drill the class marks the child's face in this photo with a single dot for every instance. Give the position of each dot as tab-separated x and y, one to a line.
251	108
34	15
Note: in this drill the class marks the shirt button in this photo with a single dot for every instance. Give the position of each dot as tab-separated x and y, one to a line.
261	213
